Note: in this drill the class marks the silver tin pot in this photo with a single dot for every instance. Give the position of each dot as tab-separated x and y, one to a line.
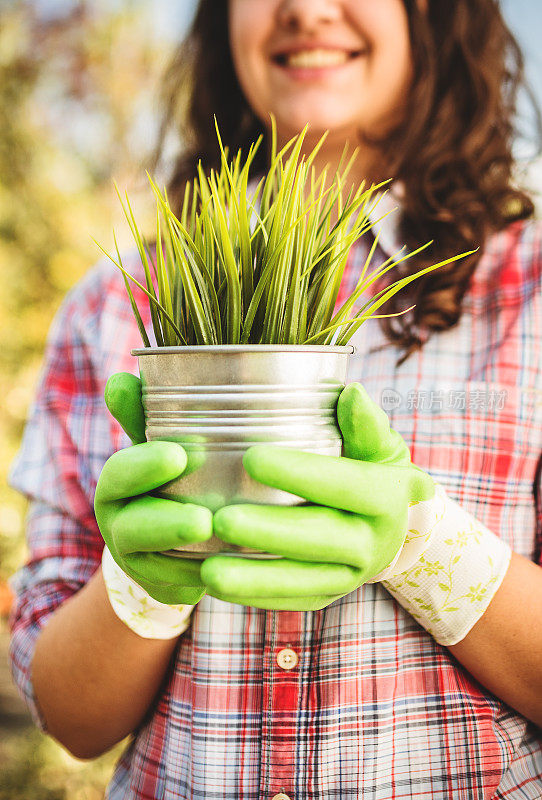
218	400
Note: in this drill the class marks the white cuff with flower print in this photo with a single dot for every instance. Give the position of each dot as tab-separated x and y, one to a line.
143	614
448	570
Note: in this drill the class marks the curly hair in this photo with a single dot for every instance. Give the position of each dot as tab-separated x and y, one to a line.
453	156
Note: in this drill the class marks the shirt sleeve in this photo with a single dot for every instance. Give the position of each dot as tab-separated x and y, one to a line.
66	441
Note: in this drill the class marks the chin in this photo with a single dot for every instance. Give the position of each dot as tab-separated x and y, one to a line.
292	122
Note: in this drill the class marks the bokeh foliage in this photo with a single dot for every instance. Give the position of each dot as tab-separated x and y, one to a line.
73	90
76	112
34	767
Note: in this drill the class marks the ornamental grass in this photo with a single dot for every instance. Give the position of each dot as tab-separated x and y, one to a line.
261	263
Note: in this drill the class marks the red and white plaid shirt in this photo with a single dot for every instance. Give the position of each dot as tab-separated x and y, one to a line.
374	708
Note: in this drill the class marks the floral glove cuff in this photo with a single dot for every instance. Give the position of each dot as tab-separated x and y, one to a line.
448	570
143	614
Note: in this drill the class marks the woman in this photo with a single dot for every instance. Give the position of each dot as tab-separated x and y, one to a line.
346	697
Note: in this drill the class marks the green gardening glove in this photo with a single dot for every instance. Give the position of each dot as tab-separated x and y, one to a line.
354	525
135	525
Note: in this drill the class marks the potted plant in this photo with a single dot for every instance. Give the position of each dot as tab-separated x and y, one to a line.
250	348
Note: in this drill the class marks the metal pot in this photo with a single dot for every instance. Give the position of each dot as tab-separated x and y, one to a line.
218	400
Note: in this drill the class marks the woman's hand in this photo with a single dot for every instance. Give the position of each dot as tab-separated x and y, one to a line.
354	526
135	525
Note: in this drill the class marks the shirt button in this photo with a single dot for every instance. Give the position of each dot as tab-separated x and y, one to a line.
280	796
286	659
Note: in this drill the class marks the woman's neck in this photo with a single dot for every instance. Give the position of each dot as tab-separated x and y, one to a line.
336	152
334	155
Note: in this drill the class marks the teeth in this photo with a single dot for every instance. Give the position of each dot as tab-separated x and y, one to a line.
312	59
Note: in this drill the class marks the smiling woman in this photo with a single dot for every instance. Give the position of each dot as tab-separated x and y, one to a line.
393	647
343	72
427	92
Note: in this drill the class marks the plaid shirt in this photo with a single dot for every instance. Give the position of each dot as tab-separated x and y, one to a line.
374	707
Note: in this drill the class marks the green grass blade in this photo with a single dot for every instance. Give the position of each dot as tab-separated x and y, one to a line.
164	291
400	284
135	309
198	318
152	298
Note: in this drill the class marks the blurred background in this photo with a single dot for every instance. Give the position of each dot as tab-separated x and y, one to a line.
78	109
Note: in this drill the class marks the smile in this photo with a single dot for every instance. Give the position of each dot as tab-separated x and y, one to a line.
315	59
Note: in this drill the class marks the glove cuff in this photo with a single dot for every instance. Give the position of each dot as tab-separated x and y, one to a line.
144	615
423	519
460	566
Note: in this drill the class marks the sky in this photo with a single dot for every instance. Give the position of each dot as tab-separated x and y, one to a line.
525	20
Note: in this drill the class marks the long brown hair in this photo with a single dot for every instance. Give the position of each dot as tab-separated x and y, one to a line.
453	153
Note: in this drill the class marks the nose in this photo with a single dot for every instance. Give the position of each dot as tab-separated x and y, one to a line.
308	14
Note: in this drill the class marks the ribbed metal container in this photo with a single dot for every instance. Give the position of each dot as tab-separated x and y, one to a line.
218	400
